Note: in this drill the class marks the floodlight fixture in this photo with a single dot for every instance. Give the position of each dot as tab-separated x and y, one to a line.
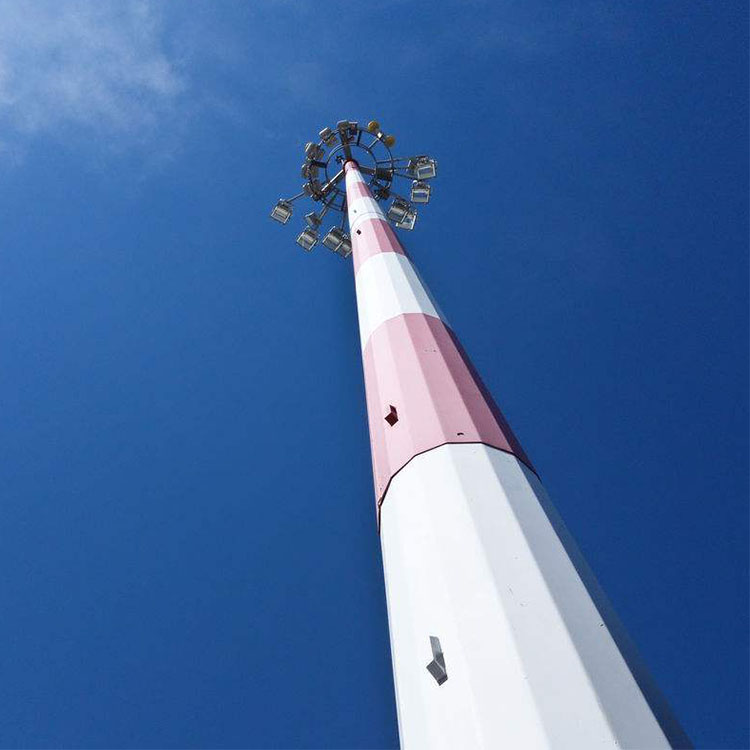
420	191
313	220
327	136
338	241
333	238
423	167
313	151
398	210
307	239
313	188
282	211
409	220
348	130
345	250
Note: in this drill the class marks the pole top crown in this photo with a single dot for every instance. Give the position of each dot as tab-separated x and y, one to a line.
324	168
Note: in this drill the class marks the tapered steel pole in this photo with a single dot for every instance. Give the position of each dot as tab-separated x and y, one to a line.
500	637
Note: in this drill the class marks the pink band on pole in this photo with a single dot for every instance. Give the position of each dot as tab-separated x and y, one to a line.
358	190
375	236
422	392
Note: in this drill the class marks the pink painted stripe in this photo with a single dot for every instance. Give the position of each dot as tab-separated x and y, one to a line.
375	236
372	236
357	190
414	363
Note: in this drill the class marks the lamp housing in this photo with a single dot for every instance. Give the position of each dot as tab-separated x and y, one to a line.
327	136
398	210
420	191
338	241
313	150
282	211
313	220
408	221
307	239
423	168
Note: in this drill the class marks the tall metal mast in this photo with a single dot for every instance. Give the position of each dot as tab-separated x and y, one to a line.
500	636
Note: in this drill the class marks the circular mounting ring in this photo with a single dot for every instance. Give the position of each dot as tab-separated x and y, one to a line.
368	149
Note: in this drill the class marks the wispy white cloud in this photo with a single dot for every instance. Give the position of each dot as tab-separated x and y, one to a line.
100	67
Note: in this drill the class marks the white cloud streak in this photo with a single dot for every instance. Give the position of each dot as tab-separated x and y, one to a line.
99	67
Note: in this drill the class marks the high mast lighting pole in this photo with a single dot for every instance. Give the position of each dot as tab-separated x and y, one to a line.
500	635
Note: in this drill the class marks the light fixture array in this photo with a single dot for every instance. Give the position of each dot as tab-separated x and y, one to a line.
323	171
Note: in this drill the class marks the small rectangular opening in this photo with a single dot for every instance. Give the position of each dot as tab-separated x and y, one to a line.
437	666
392	416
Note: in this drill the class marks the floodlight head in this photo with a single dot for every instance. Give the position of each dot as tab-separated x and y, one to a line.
327	136
348	130
333	238
338	241
423	167
408	221
313	189
282	211
373	126
420	191
389	140
345	249
307	239
313	150
398	210
313	220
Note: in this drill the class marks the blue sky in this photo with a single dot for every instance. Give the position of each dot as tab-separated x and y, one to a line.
188	551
